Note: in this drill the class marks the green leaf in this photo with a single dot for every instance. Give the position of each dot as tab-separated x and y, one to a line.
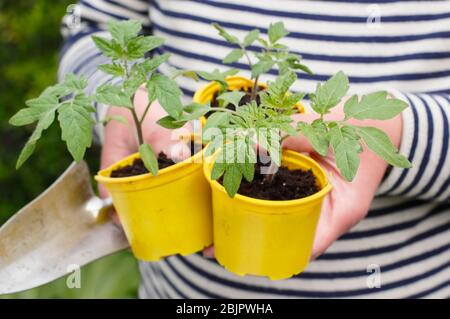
233	97
26	116
107	47
113	69
123	31
149	158
150	65
233	56
380	144
217	119
194	111
376	106
281	85
137	47
38	108
264	43
262	66
277	31
217	76
76	120
167	92
45	121
316	134
170	122
112	95
304	68
346	153
330	93
232	179
224	34
250	37
74	83
217	170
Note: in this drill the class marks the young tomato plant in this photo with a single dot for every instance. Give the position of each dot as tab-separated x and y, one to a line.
272	53
266	125
74	108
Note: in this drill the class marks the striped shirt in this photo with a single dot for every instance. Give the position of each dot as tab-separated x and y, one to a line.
402	46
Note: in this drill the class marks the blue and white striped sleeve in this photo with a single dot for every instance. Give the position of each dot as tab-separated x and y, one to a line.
79	54
425	142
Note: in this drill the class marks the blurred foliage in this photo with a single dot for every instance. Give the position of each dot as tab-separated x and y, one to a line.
114	276
29	44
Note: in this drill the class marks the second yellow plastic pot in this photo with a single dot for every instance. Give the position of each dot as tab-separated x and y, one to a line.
165	214
267	238
206	93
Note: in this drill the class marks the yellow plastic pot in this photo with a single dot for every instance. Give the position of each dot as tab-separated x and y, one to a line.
262	237
205	94
165	214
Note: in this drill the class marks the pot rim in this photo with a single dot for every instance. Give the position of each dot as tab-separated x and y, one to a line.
326	188
102	178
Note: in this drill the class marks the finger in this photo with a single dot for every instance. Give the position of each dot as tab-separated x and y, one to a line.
208	252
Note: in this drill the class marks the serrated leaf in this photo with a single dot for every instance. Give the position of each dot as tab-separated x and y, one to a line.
233	97
113	69
233	56
224	34
72	82
107	47
149	158
379	142
281	85
194	111
137	47
217	170
277	31
232	179
330	93
304	68
316	135
25	116
345	152
37	109
77	123
170	122
112	95
123	31
262	66
167	92
376	106
250	37
217	119
45	121
264	43
149	65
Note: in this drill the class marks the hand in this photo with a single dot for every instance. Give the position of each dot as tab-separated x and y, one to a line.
120	139
348	202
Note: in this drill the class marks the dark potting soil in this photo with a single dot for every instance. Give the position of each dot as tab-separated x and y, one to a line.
286	184
244	100
138	168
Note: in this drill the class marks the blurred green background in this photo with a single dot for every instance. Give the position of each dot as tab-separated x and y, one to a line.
29	46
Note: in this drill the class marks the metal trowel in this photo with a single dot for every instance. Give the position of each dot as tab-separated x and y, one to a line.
66	225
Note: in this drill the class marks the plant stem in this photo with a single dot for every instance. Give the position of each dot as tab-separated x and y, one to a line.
138	127
255	83
271	172
254	89
145	113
